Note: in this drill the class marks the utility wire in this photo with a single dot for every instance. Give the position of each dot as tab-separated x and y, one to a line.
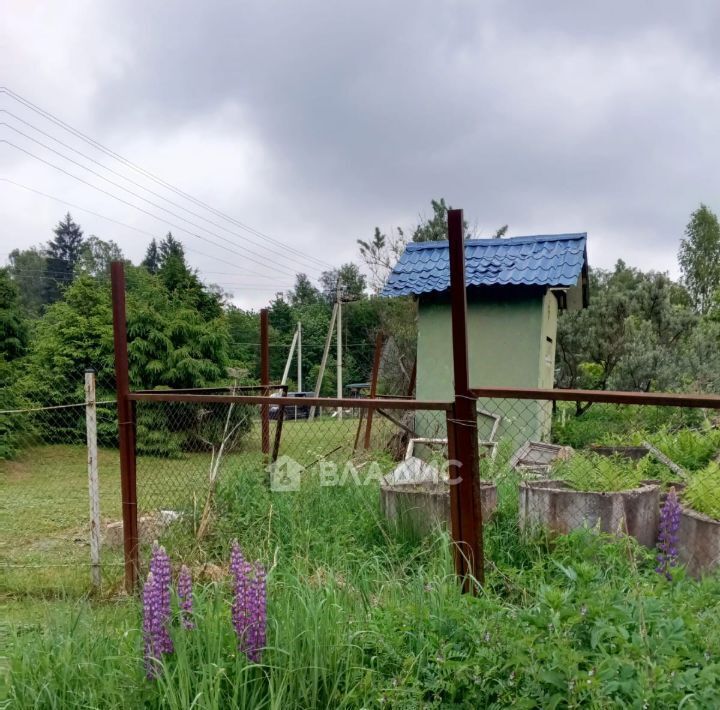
140	209
131	192
159	181
123	224
137	184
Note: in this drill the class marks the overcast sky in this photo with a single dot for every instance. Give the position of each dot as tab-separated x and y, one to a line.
313	122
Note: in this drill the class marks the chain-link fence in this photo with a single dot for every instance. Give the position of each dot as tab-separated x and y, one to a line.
45	492
649	471
190	453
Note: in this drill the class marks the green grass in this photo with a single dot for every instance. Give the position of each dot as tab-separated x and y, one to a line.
361	615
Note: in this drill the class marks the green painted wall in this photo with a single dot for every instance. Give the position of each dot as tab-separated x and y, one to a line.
511	334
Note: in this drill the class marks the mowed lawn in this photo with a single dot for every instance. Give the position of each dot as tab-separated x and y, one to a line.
44	505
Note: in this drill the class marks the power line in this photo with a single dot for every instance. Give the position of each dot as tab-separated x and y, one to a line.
159	181
131	192
66	203
140	209
137	184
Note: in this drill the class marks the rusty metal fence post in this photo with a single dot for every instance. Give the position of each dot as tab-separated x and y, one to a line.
265	378
126	429
465	508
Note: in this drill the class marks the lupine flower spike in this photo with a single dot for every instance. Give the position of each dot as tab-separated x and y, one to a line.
249	608
185	597
668	535
156	611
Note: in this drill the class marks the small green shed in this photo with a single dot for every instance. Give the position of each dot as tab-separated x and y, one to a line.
515	288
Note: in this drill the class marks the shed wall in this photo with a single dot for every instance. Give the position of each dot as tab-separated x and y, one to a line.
508	347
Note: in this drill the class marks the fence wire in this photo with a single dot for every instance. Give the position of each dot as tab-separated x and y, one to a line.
44	500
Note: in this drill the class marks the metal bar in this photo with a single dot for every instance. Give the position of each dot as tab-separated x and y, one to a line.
379	341
218	390
338	356
468	510
663	399
93	483
331	402
265	378
299	357
455	513
397	422
361	416
413	378
278	433
126	429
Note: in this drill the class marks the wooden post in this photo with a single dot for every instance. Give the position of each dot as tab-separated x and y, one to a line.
93	484
265	378
323	362
126	429
465	506
286	371
379	341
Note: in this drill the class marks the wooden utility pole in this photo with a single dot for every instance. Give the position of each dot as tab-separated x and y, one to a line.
323	362
465	509
288	362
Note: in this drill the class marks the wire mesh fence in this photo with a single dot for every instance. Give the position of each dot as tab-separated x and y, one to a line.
188	453
44	495
647	471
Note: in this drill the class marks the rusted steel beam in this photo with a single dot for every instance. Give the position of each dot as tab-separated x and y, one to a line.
265	378
413	379
379	342
663	399
331	402
220	390
465	496
126	429
398	423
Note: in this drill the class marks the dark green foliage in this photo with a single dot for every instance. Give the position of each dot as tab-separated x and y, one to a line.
347	281
28	268
152	258
63	253
699	258
13	325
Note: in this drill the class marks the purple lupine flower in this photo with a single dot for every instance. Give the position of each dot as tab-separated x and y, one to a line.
150	607
668	535
184	590
249	608
156	611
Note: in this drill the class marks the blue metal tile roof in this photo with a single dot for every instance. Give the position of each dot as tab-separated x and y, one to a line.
545	260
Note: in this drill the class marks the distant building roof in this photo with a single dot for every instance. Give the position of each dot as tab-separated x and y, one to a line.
544	260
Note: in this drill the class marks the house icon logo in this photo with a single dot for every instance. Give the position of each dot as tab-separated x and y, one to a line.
284	474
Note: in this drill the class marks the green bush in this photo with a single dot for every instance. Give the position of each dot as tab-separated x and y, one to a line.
592	472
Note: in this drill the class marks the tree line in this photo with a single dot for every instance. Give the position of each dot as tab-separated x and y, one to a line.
642	330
